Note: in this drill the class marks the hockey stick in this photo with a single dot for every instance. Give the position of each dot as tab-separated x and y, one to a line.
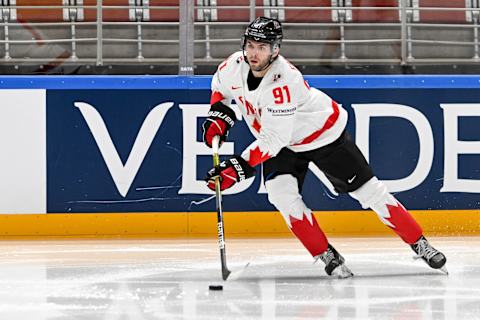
218	202
218	205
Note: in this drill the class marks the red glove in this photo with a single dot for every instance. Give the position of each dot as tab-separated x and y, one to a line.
230	171
220	119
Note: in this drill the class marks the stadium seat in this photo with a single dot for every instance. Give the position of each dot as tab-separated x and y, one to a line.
90	14
436	16
378	15
39	15
284	15
165	15
232	15
111	15
296	15
108	14
56	14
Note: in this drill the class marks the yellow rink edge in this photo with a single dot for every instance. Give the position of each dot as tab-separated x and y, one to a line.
237	224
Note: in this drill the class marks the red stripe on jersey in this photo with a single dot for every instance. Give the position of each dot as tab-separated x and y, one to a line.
257	126
257	156
328	124
223	65
216	97
306	84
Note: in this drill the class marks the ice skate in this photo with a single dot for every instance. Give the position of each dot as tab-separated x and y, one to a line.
434	258
335	263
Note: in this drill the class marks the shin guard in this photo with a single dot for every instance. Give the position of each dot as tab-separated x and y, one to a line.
395	216
373	194
284	195
309	233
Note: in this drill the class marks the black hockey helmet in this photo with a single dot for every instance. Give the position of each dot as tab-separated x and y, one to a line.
264	29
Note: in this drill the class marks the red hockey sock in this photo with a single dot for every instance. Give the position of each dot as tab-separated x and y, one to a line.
310	234
403	223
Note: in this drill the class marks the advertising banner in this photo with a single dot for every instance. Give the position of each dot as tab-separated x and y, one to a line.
23	151
135	146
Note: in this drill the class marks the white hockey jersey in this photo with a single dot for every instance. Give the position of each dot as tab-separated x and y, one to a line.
283	111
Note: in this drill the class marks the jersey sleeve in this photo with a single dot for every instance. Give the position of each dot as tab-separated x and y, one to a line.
220	92
280	105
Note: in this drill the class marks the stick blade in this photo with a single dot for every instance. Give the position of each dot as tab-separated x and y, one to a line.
225	274
234	275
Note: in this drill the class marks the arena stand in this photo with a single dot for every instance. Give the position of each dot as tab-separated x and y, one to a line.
123	36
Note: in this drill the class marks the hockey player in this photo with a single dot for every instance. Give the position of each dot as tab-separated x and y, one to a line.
293	125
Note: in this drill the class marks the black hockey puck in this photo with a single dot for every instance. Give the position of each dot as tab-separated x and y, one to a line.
215	288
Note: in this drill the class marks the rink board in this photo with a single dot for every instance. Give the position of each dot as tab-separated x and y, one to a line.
252	224
97	152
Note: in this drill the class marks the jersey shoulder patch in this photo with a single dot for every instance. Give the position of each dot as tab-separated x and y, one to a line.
284	72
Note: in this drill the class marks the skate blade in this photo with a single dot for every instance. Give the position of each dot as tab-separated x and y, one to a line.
342	272
444	270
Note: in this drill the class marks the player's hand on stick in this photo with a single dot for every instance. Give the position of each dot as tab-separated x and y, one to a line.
220	119
230	171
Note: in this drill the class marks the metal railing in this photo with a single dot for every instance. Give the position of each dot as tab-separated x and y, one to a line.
87	34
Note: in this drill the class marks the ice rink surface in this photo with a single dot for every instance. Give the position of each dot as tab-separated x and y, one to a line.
169	279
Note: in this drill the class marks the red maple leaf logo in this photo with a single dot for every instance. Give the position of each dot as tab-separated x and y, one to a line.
216	97
310	234
404	224
257	156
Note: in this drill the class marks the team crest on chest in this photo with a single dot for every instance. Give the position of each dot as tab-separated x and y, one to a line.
250	108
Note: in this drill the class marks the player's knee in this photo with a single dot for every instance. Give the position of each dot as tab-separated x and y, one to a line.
283	194
372	192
